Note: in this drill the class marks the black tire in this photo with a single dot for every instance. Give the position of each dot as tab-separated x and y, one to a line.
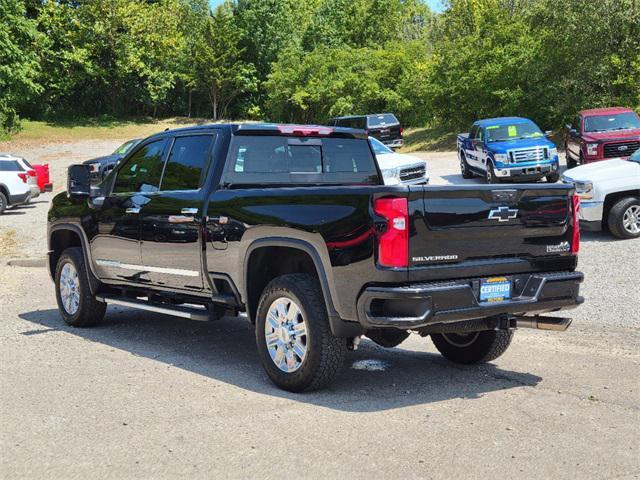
571	163
491	174
475	347
553	177
89	312
3	203
616	218
387	337
324	352
464	166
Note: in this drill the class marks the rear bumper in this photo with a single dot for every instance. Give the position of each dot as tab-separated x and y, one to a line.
397	143
418	305
20	198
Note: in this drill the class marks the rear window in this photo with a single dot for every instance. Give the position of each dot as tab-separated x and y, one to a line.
276	159
383	119
10	166
187	163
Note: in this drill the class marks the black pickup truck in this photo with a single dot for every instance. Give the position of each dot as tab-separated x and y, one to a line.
292	226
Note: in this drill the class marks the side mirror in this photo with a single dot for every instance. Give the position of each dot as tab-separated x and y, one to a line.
548	133
573	132
78	182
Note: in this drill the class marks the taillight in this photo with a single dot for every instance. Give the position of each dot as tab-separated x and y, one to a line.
32	173
23	177
304	131
401	131
393	243
575	210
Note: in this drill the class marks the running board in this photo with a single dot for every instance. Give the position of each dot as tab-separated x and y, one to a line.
192	313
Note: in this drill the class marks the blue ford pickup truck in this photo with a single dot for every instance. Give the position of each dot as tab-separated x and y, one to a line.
507	149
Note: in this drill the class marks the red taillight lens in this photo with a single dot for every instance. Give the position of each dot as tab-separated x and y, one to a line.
303	131
32	173
393	243
575	239
23	177
401	131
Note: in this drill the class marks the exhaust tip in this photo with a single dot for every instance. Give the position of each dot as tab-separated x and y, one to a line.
558	324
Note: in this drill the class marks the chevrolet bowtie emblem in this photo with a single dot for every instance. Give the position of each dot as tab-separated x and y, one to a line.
503	214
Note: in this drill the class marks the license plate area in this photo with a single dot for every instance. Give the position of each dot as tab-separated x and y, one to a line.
495	289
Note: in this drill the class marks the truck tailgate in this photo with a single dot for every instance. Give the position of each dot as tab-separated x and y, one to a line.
489	224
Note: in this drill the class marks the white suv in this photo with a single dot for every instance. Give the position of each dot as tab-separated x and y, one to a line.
14	189
609	195
32	177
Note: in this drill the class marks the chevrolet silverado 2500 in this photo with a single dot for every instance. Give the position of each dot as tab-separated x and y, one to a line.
294	226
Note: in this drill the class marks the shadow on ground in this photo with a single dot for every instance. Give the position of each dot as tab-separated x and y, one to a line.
225	350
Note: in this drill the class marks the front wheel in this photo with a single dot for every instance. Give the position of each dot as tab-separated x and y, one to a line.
474	347
491	174
294	340
624	218
77	305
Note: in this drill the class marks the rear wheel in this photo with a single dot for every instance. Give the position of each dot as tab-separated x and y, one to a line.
77	305
294	340
464	166
571	163
624	218
553	177
474	347
3	203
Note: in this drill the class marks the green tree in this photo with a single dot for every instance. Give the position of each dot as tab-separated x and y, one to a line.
19	67
218	66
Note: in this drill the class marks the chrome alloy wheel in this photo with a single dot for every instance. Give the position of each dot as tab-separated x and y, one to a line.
631	219
461	340
69	288
285	333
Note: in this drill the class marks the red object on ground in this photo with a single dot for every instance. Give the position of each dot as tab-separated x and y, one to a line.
44	183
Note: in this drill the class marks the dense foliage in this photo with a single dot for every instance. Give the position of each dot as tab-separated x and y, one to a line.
287	60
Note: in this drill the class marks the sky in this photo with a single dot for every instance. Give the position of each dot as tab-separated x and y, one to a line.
434	5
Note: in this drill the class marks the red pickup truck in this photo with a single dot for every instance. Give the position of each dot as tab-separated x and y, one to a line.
602	134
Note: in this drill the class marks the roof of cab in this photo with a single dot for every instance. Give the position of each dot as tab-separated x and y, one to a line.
605	111
273	129
486	122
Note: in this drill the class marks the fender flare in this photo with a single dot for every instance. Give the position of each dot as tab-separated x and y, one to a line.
339	327
84	242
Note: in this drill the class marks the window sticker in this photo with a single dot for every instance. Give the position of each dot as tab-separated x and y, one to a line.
512	131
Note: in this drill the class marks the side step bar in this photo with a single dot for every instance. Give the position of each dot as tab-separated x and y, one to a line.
544	323
192	313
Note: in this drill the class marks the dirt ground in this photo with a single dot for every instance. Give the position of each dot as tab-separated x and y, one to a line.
149	396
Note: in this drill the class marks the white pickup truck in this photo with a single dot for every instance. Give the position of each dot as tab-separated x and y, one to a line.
609	195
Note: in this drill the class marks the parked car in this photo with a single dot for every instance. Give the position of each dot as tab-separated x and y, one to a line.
383	126
44	179
294	226
28	171
102	166
507	149
398	168
602	134
14	189
610	195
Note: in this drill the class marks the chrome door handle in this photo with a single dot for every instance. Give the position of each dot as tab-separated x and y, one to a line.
189	211
133	210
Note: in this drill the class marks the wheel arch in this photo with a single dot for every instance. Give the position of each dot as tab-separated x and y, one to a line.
267	258
66	235
612	198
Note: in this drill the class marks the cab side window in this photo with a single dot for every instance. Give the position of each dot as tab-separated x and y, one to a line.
473	133
142	171
187	163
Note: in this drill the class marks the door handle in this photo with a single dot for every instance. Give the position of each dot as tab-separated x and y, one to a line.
133	210
189	211
219	220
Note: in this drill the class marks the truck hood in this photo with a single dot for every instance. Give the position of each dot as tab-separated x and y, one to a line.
388	161
607	169
106	160
609	136
502	147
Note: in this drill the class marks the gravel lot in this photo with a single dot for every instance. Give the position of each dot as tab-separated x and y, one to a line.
148	396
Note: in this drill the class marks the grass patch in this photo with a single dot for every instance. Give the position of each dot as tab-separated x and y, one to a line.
435	139
99	128
8	242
